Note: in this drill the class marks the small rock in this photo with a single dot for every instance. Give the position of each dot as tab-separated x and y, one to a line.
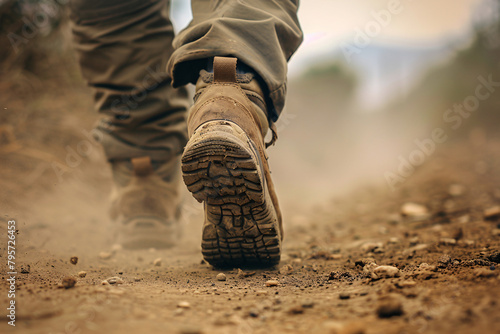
492	213
113	280
385	272
25	269
157	262
426	266
221	277
375	247
495	232
456	190
243	274
68	282
448	241
394	240
73	260
82	274
184	305
105	255
463	219
414	210
272	282
389	307
287	269
253	313
405	284
297	309
261	292
466	243
344	295
308	304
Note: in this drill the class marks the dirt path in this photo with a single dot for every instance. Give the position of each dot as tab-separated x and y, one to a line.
329	280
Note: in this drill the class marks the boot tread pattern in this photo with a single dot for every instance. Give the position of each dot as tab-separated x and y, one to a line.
240	225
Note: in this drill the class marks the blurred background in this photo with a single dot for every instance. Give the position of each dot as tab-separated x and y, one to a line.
371	78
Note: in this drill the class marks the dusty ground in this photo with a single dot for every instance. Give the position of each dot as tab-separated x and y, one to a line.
448	279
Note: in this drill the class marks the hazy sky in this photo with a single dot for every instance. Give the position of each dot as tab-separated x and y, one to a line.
327	23
417	20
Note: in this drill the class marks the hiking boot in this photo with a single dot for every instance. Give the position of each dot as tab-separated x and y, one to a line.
146	203
225	166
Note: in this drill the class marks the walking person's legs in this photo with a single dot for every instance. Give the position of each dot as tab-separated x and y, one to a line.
123	47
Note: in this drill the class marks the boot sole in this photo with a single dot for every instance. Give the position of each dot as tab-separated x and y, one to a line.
220	167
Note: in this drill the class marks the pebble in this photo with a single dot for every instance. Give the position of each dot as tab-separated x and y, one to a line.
184	304
414	210
394	240
112	280
221	277
344	295
82	274
253	313
297	309
73	260
261	292
68	282
272	282
448	241
385	272
308	304
405	284
492	213
105	255
287	269
243	274
157	262
375	247
463	219
426	266
389	307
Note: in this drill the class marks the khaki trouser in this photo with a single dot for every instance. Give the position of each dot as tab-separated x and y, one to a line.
128	54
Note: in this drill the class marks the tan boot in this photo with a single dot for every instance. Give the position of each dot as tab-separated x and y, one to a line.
146	203
225	166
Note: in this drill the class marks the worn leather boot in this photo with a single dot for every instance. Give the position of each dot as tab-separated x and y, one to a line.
225	166
146	203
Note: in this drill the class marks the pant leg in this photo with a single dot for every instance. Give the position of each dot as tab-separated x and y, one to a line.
263	34
123	47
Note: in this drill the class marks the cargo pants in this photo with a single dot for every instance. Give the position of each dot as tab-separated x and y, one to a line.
137	69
